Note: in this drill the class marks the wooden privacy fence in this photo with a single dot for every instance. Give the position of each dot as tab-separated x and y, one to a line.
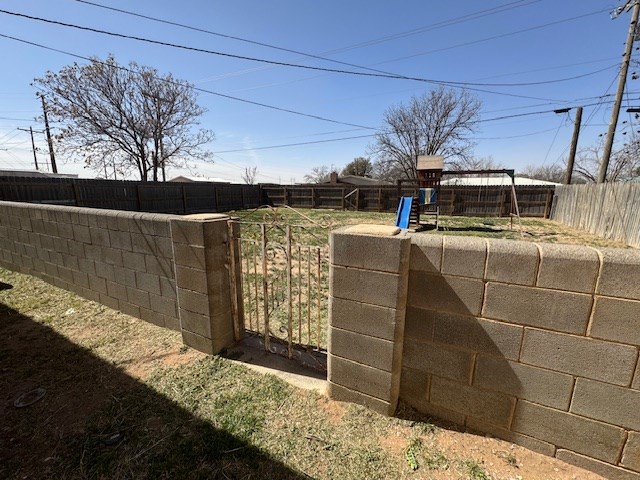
610	210
492	201
166	197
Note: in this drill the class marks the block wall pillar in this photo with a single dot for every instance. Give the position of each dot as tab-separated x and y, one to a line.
368	290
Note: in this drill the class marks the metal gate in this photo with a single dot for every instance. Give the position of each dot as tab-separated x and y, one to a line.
283	257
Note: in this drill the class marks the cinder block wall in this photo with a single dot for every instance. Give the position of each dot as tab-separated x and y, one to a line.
534	343
128	261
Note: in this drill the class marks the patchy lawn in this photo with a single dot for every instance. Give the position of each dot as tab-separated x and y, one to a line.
125	399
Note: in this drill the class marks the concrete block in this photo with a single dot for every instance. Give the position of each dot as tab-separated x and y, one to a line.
162	247
371	351
172	323
364	251
537	307
108	301
189	256
193	302
445	293
362	318
62	216
162	267
342	394
194	322
631	454
141	243
568	267
188	232
115	290
125	276
120	240
478	335
25	223
358	377
104	270
584	357
222	332
608	403
525	441
215	234
69	261
510	261
494	408
129	309
436	412
426	253
566	430
166	306
65	230
99	236
464	256
152	317
87	266
98	284
138	297
81	279
603	469
537	385
620	274
81	233
192	279
437	359
134	261
419	324
168	288
617	320
162	227
376	288
93	252
636	378
198	342
147	282
65	274
414	385
56	258
112	256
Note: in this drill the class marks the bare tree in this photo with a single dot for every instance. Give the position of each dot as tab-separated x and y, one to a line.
624	163
360	166
554	172
249	175
130	118
475	163
319	174
437	123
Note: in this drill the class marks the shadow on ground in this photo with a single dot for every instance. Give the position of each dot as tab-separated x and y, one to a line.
95	421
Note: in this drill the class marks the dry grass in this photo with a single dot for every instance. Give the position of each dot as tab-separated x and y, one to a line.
126	400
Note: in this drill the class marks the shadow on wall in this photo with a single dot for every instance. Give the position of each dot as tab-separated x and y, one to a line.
96	421
456	365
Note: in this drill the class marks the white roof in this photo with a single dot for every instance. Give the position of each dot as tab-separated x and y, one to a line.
184	178
493	181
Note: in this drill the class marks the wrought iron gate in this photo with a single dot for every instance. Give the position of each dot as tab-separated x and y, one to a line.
284	264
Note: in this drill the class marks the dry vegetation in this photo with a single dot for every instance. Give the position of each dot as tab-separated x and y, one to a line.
125	399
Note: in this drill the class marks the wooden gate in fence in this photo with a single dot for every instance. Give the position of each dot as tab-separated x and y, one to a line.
284	269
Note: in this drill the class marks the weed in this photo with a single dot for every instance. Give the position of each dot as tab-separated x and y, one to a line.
436	460
475	470
410	452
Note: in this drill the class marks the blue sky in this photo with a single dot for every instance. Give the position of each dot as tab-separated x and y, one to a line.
511	42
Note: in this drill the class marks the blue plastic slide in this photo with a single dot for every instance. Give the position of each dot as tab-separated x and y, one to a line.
404	212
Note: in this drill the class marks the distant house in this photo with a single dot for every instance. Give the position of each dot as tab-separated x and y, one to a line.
354	180
491	181
36	174
183	178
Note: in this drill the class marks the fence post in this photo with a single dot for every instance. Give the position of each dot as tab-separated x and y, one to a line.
184	200
549	200
138	197
75	193
343	190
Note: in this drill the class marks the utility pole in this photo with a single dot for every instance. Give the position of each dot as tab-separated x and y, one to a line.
49	140
574	146
624	68
33	145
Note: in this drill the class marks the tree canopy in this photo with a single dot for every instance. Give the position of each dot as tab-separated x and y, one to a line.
360	166
130	118
439	122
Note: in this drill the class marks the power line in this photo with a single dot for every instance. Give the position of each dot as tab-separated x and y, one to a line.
373	73
210	92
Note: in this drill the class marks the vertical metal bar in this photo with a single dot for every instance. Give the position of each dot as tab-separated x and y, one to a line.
309	297
265	288
247	281
237	332
255	283
289	292
299	296
319	305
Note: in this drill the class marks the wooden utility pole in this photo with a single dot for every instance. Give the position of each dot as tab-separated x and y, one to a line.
49	140
622	80
33	145
574	146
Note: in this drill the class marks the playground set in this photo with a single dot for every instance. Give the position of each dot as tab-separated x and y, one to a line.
425	198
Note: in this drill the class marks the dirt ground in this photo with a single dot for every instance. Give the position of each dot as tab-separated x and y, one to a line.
125	399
